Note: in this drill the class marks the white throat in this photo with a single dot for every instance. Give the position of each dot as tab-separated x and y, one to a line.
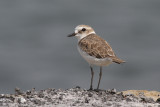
81	36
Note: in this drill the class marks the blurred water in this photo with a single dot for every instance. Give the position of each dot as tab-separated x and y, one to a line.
35	51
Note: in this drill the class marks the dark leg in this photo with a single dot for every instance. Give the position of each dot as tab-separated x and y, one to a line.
92	73
100	75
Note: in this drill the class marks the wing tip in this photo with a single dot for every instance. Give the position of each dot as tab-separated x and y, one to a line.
118	61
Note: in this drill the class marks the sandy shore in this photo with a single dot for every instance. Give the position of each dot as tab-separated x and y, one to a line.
79	97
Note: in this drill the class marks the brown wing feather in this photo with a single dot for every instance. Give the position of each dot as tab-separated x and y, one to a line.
96	46
117	60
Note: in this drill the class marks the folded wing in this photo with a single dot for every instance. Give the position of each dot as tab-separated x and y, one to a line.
97	47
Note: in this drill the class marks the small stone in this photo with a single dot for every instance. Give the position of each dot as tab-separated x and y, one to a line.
41	95
21	100
118	105
7	96
147	100
128	99
28	92
33	90
36	101
104	99
90	95
12	98
141	95
54	93
48	99
86	100
150	100
1	95
113	91
108	91
78	87
18	91
77	101
50	90
109	104
129	94
158	100
73	104
61	97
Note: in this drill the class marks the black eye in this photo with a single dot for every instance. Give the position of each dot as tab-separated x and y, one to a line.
83	29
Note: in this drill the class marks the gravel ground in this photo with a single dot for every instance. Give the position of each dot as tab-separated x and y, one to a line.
77	97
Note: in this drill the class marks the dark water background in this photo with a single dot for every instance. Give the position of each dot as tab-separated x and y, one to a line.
35	52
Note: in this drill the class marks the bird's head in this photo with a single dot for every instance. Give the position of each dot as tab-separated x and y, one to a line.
82	31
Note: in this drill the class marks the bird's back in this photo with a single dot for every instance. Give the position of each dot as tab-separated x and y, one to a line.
97	47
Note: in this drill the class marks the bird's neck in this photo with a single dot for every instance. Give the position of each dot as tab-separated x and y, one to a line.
81	36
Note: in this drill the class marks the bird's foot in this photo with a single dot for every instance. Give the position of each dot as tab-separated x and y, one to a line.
98	90
91	89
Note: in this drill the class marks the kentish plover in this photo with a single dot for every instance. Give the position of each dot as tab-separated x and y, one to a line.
94	49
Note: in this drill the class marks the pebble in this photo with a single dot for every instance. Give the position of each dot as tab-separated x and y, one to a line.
90	94
113	91
21	100
158	100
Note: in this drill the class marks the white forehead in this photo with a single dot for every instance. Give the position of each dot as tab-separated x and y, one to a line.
79	28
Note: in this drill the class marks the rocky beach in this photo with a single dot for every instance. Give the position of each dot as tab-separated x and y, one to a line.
79	97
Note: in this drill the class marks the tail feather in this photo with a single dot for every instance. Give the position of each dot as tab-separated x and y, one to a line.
117	60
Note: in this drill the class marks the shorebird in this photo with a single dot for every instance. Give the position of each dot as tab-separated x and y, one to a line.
94	49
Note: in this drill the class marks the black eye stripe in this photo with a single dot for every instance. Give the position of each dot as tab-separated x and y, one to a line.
83	29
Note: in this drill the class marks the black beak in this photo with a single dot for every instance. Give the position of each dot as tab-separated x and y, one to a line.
71	35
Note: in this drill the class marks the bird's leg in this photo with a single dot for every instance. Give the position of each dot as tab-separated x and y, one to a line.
100	75
92	73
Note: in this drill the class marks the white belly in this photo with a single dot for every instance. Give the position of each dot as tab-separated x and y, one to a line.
95	61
